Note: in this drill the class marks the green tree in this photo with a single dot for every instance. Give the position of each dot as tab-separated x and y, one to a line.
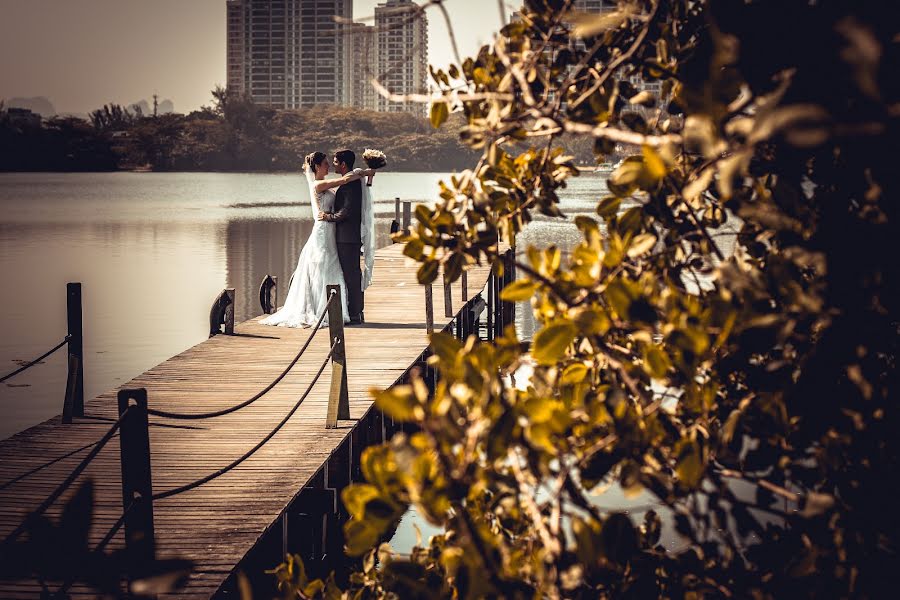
752	391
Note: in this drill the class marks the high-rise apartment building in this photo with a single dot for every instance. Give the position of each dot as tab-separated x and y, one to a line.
402	52
363	43
325	52
289	53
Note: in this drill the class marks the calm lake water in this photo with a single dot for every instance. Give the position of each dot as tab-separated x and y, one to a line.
153	250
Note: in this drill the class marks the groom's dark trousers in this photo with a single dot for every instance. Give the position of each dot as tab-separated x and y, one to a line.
347	217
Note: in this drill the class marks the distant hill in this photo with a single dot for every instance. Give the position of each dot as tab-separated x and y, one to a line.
38	104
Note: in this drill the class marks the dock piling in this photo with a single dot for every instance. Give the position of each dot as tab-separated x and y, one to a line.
73	404
448	300
407	215
338	398
229	312
429	309
137	489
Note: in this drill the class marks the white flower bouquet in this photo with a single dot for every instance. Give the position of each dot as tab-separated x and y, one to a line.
374	159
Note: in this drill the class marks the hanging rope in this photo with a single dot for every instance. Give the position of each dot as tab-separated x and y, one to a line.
37	360
252	451
62	487
268	388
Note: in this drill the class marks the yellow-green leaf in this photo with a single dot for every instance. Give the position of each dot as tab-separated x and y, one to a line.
427	273
519	290
624	180
445	347
355	496
641	244
656	362
551	342
574	373
414	249
592	321
438	114
688	462
400	403
653	163
360	536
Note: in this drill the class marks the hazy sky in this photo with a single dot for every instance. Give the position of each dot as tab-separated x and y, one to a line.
81	54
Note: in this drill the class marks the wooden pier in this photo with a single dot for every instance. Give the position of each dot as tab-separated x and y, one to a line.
217	525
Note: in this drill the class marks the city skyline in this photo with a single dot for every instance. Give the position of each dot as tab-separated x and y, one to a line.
81	55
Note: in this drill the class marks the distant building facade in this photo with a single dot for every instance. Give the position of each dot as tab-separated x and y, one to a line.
402	52
289	53
297	53
363	66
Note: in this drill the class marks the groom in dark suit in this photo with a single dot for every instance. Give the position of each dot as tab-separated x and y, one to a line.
347	217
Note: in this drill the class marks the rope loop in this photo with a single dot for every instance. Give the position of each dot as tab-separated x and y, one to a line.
37	360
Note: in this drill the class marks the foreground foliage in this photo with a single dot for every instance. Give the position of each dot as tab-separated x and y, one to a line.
724	337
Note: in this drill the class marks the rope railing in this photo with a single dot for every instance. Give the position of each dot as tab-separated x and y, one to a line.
62	487
257	396
30	364
197	483
132	428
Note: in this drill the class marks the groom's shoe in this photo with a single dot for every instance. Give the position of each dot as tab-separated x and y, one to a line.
355	321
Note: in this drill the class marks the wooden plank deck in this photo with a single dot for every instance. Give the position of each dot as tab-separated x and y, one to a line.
217	524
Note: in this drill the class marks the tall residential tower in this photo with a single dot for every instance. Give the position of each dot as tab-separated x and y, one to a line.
289	53
402	52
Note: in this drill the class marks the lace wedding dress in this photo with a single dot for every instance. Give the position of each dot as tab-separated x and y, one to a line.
317	267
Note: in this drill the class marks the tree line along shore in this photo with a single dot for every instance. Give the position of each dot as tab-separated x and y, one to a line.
231	134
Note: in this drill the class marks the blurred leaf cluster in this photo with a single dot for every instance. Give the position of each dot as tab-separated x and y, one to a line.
60	554
722	340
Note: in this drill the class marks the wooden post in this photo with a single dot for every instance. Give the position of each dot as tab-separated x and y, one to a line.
464	286
229	312
397	209
490	306
429	309
510	274
71	382
338	398
137	488
407	215
73	404
448	300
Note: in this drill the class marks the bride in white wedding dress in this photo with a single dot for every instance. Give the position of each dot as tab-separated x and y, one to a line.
318	265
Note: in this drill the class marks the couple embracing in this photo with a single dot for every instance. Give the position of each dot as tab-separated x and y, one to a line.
344	222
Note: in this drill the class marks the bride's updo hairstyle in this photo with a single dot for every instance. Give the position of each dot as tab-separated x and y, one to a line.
314	159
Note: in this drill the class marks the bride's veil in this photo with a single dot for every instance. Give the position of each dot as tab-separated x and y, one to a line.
313	197
367	234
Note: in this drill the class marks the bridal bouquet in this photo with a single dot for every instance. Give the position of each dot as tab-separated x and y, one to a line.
374	158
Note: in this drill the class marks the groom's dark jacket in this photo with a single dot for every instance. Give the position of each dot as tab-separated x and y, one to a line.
348	213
